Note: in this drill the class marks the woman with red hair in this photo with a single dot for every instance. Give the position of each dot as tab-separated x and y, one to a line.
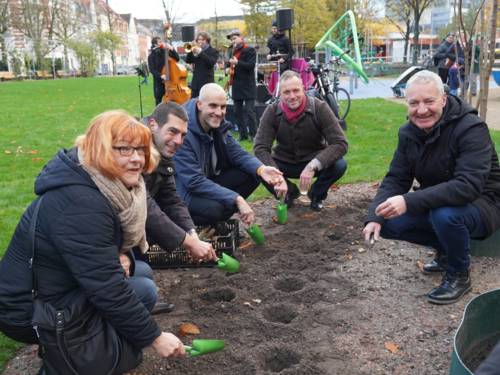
90	213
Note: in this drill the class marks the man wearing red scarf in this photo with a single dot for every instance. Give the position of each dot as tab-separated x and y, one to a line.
309	143
243	85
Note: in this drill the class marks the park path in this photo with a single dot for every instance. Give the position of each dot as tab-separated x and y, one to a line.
381	88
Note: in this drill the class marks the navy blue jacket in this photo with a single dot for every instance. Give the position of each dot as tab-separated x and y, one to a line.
77	240
455	164
193	159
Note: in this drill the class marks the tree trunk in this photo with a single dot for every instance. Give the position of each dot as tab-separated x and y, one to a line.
416	34
3	47
489	59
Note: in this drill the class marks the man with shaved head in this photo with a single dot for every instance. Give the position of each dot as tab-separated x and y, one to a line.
214	174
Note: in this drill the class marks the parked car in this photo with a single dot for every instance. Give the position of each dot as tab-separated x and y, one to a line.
125	70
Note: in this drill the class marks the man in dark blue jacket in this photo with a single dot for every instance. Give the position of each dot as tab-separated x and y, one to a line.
447	149
214	174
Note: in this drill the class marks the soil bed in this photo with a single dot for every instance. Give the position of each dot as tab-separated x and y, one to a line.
313	300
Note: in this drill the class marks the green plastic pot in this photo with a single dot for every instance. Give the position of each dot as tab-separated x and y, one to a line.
477	334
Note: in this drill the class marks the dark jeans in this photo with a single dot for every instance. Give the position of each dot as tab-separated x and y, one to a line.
142	283
325	177
206	211
244	113
447	229
158	90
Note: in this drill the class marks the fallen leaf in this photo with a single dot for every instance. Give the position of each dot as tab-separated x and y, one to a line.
308	216
36	159
334	187
361	250
248	304
33	152
376	185
188	329
275	219
8	152
390	346
420	265
256	300
348	257
245	245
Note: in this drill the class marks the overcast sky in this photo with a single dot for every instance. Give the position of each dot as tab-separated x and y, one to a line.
183	10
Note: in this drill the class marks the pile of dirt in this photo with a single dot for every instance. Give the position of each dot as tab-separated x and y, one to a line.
313	300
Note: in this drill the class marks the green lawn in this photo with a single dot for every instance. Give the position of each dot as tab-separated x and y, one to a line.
39	117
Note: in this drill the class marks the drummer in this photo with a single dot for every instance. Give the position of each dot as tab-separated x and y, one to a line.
280	48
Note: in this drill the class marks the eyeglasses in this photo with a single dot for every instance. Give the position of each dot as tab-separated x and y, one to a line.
129	150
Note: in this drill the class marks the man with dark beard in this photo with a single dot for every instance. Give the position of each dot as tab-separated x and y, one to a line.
171	226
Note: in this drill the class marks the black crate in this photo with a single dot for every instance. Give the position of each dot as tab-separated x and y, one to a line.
227	233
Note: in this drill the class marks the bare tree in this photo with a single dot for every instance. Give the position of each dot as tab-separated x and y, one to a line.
67	24
467	24
401	16
487	57
34	18
418	7
4	27
110	25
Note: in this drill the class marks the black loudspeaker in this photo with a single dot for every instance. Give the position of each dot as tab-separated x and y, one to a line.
284	18
262	93
187	33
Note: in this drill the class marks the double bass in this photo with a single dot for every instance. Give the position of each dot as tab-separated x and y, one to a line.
176	87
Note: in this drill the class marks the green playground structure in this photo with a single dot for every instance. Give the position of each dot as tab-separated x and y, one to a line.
330	42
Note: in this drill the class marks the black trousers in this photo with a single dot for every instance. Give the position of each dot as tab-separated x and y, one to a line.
244	113
443	74
158	90
325	177
206	211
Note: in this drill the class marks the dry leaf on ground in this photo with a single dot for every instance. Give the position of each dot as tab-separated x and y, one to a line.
245	245
390	346
420	265
188	329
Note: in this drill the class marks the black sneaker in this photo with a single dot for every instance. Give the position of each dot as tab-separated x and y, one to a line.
162	308
316	204
453	287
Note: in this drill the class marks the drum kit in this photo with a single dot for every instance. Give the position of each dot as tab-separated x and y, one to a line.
271	73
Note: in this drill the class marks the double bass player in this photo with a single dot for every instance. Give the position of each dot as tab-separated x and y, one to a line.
156	64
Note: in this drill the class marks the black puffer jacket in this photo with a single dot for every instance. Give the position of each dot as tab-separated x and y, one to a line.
455	164
77	240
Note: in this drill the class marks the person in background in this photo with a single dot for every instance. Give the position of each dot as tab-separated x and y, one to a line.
445	56
93	212
204	57
242	80
156	63
213	173
446	147
280	48
308	142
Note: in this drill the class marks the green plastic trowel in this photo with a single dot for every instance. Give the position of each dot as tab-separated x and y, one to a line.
200	347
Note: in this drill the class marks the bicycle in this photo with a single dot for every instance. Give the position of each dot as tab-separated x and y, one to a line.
337	98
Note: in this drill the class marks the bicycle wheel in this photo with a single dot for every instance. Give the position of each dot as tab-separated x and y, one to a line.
343	100
335	108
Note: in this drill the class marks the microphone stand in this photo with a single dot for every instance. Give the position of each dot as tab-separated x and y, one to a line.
140	93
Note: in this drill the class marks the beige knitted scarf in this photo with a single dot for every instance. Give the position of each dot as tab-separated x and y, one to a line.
129	204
